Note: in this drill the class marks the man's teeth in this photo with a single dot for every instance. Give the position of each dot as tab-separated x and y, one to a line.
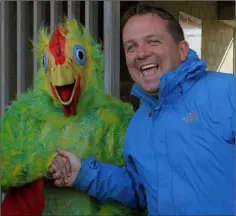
145	67
145	70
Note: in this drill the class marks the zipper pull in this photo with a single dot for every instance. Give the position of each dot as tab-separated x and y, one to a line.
151	111
150	114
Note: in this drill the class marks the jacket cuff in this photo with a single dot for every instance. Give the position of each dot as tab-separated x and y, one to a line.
86	174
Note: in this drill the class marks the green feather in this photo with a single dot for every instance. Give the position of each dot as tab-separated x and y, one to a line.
34	126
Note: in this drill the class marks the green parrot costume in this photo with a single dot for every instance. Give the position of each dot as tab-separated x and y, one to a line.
67	108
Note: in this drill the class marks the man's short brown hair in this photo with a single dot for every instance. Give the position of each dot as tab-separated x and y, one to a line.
173	25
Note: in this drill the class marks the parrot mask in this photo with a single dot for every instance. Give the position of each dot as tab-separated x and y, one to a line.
61	72
66	64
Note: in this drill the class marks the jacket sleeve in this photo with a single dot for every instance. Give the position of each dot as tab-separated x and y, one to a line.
111	182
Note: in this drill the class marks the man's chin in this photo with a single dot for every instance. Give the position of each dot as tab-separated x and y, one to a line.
151	89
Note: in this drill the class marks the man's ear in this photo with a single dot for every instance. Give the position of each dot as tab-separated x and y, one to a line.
183	50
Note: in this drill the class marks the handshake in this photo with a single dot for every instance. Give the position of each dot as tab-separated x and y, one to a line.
64	168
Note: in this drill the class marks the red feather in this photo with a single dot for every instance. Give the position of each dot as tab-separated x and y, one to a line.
24	201
57	45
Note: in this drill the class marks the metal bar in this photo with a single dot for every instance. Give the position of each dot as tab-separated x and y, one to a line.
21	47
2	70
37	11
4	75
56	12
4	62
53	15
112	47
73	9
91	18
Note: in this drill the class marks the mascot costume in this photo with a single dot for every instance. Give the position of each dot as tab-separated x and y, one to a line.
67	108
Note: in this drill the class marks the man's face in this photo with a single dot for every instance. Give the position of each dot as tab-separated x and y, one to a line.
150	50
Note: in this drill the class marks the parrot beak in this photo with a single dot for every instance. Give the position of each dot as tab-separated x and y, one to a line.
65	88
65	93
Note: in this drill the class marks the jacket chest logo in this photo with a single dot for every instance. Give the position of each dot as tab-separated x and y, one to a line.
190	117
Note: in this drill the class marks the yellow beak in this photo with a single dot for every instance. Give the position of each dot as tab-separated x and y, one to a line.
61	76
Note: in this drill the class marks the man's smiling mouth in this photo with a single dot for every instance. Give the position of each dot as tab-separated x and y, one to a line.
149	69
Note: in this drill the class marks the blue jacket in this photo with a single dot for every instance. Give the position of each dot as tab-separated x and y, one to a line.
179	148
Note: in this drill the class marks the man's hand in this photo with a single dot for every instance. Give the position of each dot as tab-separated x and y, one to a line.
60	169
64	168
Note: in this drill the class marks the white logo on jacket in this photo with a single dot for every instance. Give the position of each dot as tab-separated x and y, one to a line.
190	117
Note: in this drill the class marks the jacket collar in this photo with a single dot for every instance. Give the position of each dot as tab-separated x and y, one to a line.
177	80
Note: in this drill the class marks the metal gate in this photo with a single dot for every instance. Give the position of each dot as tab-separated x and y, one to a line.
20	22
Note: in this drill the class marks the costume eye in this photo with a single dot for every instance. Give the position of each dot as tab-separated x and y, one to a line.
79	54
45	63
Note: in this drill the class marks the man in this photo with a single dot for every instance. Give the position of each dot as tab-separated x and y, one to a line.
179	146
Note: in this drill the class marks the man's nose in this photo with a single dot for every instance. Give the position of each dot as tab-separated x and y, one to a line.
142	52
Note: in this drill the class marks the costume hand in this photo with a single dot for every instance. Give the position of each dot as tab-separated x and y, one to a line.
71	168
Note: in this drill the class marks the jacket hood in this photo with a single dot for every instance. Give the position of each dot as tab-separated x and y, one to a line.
190	69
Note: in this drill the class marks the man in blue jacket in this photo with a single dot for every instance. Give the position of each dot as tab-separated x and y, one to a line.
179	146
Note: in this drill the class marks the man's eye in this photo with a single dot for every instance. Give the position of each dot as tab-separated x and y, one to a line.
130	48
154	41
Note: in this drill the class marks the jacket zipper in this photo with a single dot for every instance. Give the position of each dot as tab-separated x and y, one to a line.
153	114
153	109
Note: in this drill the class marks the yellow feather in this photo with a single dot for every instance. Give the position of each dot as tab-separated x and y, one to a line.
16	171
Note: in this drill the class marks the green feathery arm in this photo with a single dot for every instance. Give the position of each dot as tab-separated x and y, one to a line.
23	157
